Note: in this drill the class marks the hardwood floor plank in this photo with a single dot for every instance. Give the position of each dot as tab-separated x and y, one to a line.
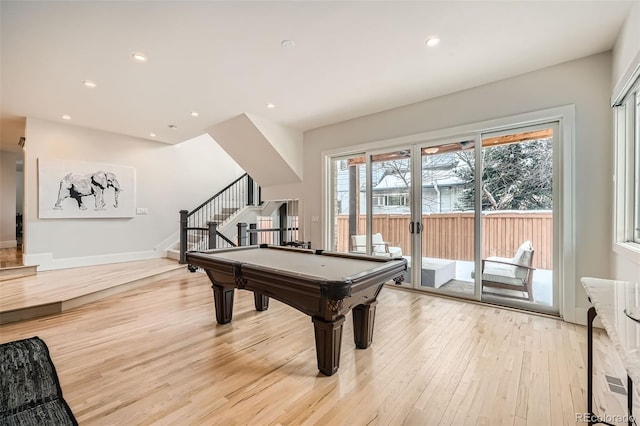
10	257
155	355
66	284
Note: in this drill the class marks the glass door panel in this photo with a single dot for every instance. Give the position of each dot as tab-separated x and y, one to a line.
349	204
447	219
390	204
517	218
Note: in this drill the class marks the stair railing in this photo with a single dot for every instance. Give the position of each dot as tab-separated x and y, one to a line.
199	227
248	235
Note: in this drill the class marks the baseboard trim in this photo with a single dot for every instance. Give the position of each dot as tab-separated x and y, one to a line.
46	261
581	318
8	244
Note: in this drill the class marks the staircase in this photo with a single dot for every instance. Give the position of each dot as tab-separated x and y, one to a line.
225	214
223	209
230	217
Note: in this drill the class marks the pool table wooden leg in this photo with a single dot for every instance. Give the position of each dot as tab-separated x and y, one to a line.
363	319
223	300
261	301
328	344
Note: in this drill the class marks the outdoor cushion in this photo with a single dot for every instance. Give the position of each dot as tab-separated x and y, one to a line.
380	247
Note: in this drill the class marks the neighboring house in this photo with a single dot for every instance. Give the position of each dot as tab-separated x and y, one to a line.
390	192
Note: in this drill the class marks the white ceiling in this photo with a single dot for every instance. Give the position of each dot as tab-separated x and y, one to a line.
225	58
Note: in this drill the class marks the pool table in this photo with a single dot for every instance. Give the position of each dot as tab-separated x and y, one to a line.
324	285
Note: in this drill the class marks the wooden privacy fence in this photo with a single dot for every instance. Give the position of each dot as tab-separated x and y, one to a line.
451	235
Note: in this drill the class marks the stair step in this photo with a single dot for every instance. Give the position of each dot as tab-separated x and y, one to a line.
173	254
12	272
67	296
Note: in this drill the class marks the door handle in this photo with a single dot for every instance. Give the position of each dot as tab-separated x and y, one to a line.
415	227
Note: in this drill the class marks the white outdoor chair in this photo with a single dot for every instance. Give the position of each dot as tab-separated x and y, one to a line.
379	246
511	273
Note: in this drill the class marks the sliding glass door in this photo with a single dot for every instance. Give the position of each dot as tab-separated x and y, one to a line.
518	205
371	203
390	198
446	231
473	215
348	230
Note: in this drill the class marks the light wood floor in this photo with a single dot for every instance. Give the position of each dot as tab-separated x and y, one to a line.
63	285
10	257
155	355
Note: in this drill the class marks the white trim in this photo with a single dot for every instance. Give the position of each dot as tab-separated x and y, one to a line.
477	216
8	244
581	317
626	81
168	243
567	245
630	251
415	239
327	200
565	115
624	169
46	261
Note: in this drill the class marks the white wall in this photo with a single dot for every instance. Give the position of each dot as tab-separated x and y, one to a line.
263	148
626	56
286	141
584	82
168	178
627	45
7	199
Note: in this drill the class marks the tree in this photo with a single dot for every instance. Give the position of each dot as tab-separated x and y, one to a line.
516	176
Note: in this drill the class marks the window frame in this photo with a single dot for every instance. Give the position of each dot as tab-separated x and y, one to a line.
626	113
636	143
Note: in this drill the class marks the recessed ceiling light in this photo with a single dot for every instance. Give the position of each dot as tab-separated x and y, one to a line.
194	114
153	135
432	150
139	57
287	44
432	41
89	83
66	117
270	105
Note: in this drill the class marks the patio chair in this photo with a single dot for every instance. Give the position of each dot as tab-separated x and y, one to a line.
379	246
514	273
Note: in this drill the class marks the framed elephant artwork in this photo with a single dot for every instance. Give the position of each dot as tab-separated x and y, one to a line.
79	189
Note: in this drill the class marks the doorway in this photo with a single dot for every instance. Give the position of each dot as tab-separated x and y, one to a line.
482	202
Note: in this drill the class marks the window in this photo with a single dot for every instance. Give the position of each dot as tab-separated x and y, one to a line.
398	200
627	135
379	200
